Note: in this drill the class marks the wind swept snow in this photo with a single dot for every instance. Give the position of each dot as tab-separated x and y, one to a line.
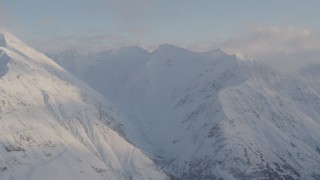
53	126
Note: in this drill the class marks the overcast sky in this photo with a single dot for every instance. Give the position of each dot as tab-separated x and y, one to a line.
255	27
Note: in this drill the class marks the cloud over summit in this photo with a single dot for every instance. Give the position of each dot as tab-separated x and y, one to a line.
286	47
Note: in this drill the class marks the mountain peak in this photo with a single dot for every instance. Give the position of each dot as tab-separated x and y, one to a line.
218	50
167	47
243	57
6	38
18	48
129	49
216	53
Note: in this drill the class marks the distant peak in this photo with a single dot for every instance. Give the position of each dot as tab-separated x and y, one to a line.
168	46
243	57
129	49
216	52
7	39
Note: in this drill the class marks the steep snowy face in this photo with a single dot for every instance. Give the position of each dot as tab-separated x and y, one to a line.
311	71
115	68
73	61
210	115
311	74
4	59
53	126
272	121
3	42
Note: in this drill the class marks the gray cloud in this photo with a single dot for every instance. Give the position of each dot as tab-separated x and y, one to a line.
131	15
125	10
286	48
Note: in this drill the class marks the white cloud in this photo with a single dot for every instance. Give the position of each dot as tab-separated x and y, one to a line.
287	48
131	16
274	39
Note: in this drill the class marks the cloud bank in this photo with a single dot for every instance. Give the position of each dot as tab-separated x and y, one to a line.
285	48
84	43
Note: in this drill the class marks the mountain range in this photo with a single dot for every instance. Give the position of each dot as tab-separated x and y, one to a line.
171	113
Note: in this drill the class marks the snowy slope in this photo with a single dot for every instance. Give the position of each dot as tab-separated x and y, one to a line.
211	115
311	74
53	126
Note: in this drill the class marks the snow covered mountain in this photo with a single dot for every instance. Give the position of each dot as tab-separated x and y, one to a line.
211	115
53	126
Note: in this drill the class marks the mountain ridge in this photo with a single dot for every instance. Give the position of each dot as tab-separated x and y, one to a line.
193	115
211	116
56	127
